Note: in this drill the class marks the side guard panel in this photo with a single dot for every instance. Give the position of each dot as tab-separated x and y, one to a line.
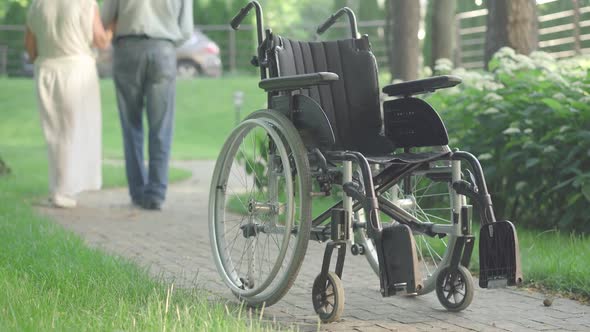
412	122
398	263
499	255
309	118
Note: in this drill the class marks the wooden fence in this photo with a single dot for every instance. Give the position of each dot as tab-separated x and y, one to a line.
235	52
564	33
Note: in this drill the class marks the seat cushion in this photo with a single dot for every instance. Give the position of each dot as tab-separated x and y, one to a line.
407	158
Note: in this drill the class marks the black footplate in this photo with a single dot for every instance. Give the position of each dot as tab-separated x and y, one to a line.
499	255
398	261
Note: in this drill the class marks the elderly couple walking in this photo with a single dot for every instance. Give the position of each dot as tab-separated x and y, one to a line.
144	33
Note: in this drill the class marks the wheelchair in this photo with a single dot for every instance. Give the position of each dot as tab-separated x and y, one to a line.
329	162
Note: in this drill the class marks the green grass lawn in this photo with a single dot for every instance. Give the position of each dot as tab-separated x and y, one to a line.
49	279
204	117
551	261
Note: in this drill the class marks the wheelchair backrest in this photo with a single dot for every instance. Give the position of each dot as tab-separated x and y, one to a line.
352	103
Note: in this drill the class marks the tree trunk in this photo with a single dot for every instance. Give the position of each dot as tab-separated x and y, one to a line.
403	18
389	35
511	23
443	30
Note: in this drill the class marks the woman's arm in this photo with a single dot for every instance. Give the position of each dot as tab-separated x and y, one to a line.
101	37
31	44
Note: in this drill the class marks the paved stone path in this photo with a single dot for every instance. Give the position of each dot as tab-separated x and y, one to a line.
174	243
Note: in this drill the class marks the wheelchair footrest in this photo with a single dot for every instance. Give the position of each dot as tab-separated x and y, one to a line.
499	255
398	261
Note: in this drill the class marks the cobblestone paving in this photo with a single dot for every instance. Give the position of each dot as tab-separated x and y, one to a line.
174	243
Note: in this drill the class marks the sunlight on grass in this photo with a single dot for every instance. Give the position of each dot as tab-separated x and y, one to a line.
51	280
557	261
205	114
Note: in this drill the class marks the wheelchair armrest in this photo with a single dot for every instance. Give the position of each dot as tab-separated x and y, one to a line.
293	82
416	87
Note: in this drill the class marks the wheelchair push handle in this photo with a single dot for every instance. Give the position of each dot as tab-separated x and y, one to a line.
334	17
237	20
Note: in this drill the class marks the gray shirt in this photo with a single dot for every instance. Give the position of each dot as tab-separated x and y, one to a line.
165	19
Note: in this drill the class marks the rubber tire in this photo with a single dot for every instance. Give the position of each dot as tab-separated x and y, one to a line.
469	289
317	295
291	138
187	64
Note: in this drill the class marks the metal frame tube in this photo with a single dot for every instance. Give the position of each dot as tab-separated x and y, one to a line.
457	199
347	200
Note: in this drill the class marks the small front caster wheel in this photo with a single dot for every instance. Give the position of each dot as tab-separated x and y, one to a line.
357	249
455	289
328	297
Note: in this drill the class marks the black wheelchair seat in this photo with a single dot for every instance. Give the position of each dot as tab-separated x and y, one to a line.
407	158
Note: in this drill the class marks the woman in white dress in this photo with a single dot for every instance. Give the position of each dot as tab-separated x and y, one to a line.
59	38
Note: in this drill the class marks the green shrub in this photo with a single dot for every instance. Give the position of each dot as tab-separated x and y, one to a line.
528	121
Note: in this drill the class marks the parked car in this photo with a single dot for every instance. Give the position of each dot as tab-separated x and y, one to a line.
198	56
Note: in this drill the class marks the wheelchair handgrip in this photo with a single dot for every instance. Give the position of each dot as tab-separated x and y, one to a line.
329	22
237	20
332	19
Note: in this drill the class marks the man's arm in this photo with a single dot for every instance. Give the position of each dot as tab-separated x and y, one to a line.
108	12
101	37
185	20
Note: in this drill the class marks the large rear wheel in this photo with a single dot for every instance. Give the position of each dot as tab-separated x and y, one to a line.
260	208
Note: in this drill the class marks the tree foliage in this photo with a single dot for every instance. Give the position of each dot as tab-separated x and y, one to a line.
13	12
528	122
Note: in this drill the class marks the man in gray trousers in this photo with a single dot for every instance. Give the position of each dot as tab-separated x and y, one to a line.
144	71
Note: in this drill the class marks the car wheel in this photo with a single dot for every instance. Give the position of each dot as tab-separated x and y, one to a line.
187	69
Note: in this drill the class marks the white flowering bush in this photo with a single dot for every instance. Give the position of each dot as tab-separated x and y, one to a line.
528	121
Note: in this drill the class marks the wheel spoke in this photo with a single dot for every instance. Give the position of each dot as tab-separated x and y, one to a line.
449	295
